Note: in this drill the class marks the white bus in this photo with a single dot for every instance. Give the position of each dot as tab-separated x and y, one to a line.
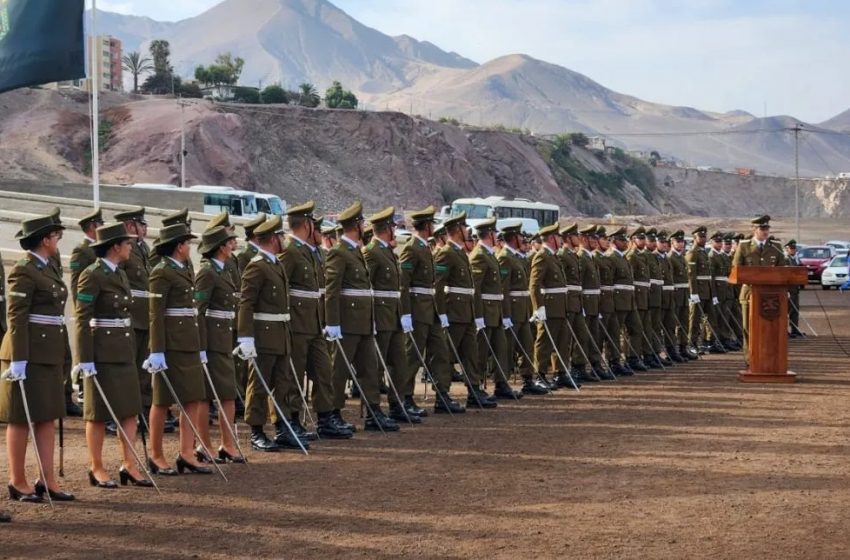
218	198
507	210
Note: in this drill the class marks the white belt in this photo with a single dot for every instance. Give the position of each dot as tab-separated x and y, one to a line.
593	292
722	278
220	314
2	297
456	290
573	288
681	285
387	294
492	297
143	294
355	292
423	291
110	323
642	284
656	282
545	291
626	287
322	291
181	312
272	317
703	277
237	295
55	320
305	294
668	288
607	288
519	293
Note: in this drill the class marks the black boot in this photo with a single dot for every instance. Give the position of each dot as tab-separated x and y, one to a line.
636	364
602	372
399	414
531	386
355	393
480	398
674	355
666	362
651	362
444	404
551	383
412	408
716	348
284	438
579	373
620	371
329	427
504	391
689	352
260	441
375	422
343	423
300	430
563	380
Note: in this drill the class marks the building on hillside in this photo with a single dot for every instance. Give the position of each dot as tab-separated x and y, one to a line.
219	93
109	68
746	171
596	143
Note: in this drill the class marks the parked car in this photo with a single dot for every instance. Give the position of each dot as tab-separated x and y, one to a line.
841	247
815	259
835	273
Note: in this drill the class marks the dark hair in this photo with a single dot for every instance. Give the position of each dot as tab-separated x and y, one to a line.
167	249
381	227
422	224
102	250
296	221
451	228
32	243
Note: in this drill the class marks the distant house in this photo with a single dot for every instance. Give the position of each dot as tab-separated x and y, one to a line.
219	93
746	171
596	143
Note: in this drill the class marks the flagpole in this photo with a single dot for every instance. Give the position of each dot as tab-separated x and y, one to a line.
95	87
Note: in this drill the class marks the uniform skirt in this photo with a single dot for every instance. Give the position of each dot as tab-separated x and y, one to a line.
45	394
223	373
186	375
120	383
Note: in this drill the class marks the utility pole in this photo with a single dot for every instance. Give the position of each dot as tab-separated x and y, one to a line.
94	83
797	129
182	143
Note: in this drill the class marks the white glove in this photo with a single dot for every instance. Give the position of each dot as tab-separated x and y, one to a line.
583	314
246	349
86	369
444	321
406	323
479	323
333	332
694	298
539	313
203	356
17	372
600	315
155	362
507	323
715	301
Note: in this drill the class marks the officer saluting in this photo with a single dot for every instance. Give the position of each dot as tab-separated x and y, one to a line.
350	318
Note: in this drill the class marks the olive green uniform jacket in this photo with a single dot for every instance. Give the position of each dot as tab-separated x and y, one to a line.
82	257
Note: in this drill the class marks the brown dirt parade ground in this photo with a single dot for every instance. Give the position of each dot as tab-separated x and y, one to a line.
686	463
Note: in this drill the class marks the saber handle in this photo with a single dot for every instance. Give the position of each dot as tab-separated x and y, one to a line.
123	433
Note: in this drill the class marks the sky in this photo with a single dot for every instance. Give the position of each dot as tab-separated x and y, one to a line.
773	57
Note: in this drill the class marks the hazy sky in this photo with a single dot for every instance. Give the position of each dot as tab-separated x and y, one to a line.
788	56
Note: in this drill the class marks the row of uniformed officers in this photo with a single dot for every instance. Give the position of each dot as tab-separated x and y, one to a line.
150	330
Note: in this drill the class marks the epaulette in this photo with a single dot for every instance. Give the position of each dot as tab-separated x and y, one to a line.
160	264
258	258
23	262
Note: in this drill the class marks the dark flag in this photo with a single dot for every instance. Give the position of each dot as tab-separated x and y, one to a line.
41	41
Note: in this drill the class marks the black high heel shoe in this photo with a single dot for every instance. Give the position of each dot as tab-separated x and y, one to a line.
108	484
156	469
17	495
126	477
202	457
225	457
59	496
184	465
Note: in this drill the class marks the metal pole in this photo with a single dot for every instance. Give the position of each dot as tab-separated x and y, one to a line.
94	83
797	176
182	144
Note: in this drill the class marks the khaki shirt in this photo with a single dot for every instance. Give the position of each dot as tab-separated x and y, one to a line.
103	294
34	288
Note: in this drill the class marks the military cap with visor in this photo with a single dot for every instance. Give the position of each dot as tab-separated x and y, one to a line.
353	213
717	236
384	216
424	215
93	217
459	220
678	235
548	230
175	233
220	219
571	229
213	238
270	226
601	231
619	234
640	233
791	243
253	224
134	214
761	221
701	230
179	217
588	231
35	228
306	209
486	226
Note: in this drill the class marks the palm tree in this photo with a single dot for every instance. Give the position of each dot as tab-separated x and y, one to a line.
135	64
309	95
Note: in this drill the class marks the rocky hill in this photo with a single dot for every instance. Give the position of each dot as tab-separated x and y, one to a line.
382	158
290	41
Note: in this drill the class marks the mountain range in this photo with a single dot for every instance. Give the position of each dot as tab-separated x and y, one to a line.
291	41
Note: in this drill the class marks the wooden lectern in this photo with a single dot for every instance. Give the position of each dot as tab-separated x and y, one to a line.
768	321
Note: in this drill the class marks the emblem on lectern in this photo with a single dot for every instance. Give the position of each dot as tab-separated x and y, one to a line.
770	307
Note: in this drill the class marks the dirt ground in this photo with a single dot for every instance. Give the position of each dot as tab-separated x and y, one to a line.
685	463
